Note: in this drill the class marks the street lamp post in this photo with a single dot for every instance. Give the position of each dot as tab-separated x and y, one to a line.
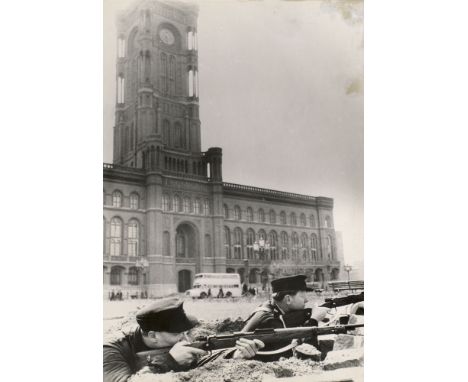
141	264
260	247
348	268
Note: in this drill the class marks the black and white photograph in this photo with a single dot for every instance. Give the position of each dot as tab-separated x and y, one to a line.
256	165
233	191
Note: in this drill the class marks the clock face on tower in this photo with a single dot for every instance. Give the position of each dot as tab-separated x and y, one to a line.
166	36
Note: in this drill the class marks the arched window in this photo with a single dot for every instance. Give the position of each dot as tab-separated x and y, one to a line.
207	245
283	217
133	238
328	222
206	207
183	143
120	88
262	241
166	133
284	246
250	242
116	275
303	220
134	201
180	245
187	205
293	218
295	245
227	243
163	73
261	216
190	40
121	47
131	42
249	214
312	221
166	244
238	243
133	276
166	202
329	248
272	217
147	68
116	199
197	206
313	246
172	76
273	240
237	213
116	237
226	211
304	247
177	135
190	83
177	204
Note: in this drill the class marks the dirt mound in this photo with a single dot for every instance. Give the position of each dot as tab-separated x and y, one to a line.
229	325
235	371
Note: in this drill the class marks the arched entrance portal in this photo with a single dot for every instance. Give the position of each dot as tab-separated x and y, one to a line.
334	274
185	280
187	243
254	276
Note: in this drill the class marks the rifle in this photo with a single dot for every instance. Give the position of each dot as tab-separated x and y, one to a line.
267	336
342	301
302	317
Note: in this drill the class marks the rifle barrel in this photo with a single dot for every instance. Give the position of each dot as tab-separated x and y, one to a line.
269	336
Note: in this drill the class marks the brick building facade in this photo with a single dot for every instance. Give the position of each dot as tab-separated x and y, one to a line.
167	212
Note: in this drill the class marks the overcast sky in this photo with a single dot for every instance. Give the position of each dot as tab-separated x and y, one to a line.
281	93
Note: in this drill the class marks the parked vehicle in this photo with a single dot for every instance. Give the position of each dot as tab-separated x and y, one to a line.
205	284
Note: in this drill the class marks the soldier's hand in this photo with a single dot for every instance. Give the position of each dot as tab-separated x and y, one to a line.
319	313
247	348
185	355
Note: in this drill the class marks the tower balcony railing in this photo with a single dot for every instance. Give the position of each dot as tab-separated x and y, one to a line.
184	175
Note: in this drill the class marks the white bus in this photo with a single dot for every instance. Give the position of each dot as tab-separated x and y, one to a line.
205	284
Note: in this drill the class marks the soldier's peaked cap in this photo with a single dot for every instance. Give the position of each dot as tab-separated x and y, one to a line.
290	283
165	315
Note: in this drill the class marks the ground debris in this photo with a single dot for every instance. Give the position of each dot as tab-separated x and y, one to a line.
339	359
230	370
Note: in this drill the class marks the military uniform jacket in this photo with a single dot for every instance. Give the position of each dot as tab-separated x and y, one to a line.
268	315
121	362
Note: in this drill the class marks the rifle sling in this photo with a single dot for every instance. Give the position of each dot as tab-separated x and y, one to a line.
277	351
